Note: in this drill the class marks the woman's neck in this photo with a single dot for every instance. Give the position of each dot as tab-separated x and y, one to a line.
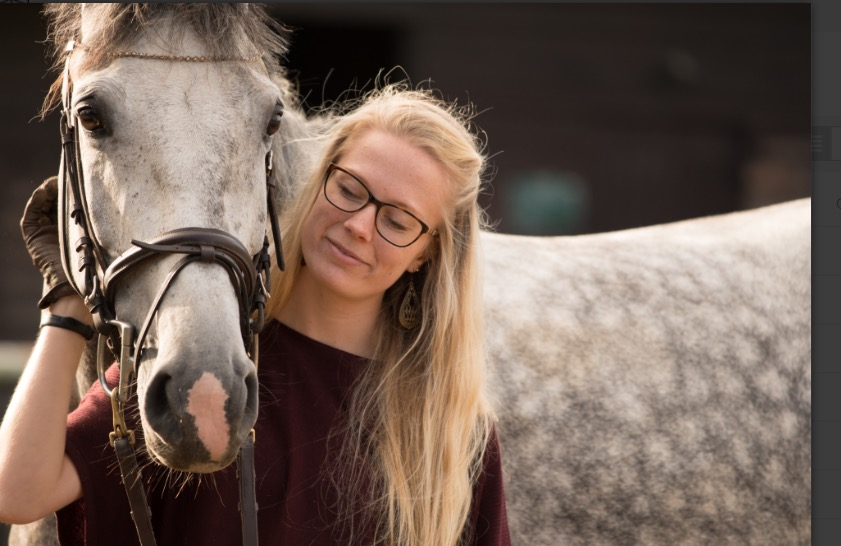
347	325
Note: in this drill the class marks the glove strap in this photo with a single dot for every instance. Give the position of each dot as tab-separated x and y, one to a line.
69	323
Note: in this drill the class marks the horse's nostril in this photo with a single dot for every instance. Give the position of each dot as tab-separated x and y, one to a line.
162	407
251	389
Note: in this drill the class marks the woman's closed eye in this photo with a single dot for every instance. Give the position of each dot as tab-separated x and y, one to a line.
395	219
350	192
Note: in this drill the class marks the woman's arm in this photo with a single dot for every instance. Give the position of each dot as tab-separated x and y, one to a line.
36	477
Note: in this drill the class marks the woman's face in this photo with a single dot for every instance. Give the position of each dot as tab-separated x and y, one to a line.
345	255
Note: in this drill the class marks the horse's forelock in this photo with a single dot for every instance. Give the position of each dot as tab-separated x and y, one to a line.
220	26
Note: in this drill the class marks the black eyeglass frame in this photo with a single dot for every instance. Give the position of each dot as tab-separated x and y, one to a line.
379	204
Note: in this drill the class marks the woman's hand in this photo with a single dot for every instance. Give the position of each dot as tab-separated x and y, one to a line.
39	226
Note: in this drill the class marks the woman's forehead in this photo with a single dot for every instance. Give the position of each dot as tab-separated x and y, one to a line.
398	172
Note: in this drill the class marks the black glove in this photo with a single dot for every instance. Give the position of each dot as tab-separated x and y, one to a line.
39	226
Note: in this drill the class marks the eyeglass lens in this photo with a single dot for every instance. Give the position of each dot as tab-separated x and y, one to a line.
395	225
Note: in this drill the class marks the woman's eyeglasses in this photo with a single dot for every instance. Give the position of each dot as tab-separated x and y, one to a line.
347	193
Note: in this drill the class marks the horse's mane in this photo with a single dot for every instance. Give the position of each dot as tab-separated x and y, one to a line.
220	26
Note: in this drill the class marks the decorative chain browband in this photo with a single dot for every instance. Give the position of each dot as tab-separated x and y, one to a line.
73	44
188	58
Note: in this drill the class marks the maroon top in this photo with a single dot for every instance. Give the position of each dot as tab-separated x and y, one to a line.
303	386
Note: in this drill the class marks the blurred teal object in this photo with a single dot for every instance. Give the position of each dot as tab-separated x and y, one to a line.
546	203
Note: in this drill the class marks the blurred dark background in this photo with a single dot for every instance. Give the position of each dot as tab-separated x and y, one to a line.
599	117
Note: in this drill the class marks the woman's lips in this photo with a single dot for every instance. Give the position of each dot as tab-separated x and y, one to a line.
345	253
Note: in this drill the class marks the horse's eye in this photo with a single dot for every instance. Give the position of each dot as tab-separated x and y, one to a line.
274	121
89	118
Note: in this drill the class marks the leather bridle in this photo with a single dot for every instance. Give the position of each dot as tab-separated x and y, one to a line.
249	276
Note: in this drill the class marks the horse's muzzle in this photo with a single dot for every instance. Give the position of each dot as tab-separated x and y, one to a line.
196	419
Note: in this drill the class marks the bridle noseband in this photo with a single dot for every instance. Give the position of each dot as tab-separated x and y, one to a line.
249	276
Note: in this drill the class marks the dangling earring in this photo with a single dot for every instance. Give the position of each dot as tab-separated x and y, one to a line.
409	315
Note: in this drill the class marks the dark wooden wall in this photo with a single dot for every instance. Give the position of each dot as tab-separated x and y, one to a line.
652	113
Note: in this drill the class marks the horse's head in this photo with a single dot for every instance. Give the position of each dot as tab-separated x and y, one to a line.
173	132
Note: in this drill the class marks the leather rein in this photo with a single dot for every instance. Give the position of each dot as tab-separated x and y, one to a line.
248	274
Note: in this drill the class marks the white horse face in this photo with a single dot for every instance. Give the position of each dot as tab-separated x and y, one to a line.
167	145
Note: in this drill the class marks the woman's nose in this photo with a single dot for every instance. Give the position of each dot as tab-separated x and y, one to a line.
361	222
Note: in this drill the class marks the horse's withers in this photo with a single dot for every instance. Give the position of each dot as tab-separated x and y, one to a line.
164	145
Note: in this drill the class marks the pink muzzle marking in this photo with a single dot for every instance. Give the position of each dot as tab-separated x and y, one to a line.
206	403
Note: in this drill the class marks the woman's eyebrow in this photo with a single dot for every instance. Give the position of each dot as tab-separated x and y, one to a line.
397	202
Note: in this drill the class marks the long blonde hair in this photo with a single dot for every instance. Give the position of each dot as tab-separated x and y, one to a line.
419	419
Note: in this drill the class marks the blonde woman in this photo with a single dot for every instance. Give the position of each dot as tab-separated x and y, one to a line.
373	426
383	251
